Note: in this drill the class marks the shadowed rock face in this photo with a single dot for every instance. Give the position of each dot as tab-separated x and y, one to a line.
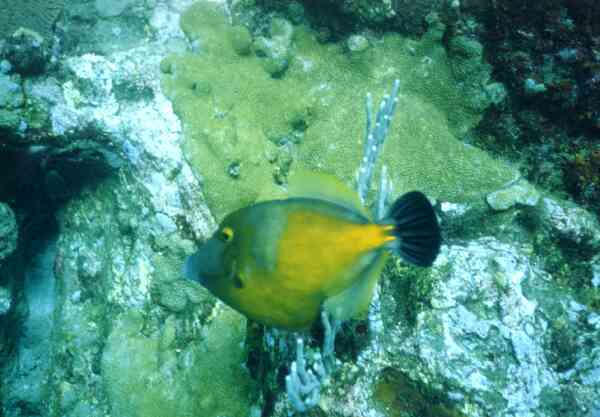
30	371
408	17
8	231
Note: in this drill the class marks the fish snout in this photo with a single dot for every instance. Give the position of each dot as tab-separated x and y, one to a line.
206	263
192	269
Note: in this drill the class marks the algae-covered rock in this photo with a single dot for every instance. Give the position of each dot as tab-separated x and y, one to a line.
25	378
147	378
5	301
571	222
484	332
111	8
10	120
11	103
27	51
471	69
357	43
11	93
8	231
241	40
407	16
37	15
595	264
316	109
521	192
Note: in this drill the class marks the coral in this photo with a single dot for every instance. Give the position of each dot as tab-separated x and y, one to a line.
375	137
235	113
37	15
303	386
275	50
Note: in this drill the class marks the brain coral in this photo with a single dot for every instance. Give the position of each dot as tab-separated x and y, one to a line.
245	127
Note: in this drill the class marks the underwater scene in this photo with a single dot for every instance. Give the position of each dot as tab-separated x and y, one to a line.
321	208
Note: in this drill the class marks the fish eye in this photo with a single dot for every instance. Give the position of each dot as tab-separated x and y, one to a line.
226	234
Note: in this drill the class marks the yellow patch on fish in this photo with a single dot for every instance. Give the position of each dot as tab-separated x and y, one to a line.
316	251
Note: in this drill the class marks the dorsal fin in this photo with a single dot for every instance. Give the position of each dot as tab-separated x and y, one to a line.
310	184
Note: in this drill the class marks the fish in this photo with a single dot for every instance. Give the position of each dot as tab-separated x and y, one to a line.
282	262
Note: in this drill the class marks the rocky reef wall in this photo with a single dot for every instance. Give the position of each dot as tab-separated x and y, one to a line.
127	134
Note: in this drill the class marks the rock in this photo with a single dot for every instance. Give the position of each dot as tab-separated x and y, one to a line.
30	364
106	251
8	231
11	93
595	264
571	222
532	87
9	120
173	295
241	40
357	43
27	51
484	296
495	92
112	8
5	301
5	66
466	47
406	16
275	51
519	193
453	209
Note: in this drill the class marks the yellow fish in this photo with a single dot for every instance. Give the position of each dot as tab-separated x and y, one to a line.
281	262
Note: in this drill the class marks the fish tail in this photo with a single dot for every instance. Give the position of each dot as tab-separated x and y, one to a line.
415	228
